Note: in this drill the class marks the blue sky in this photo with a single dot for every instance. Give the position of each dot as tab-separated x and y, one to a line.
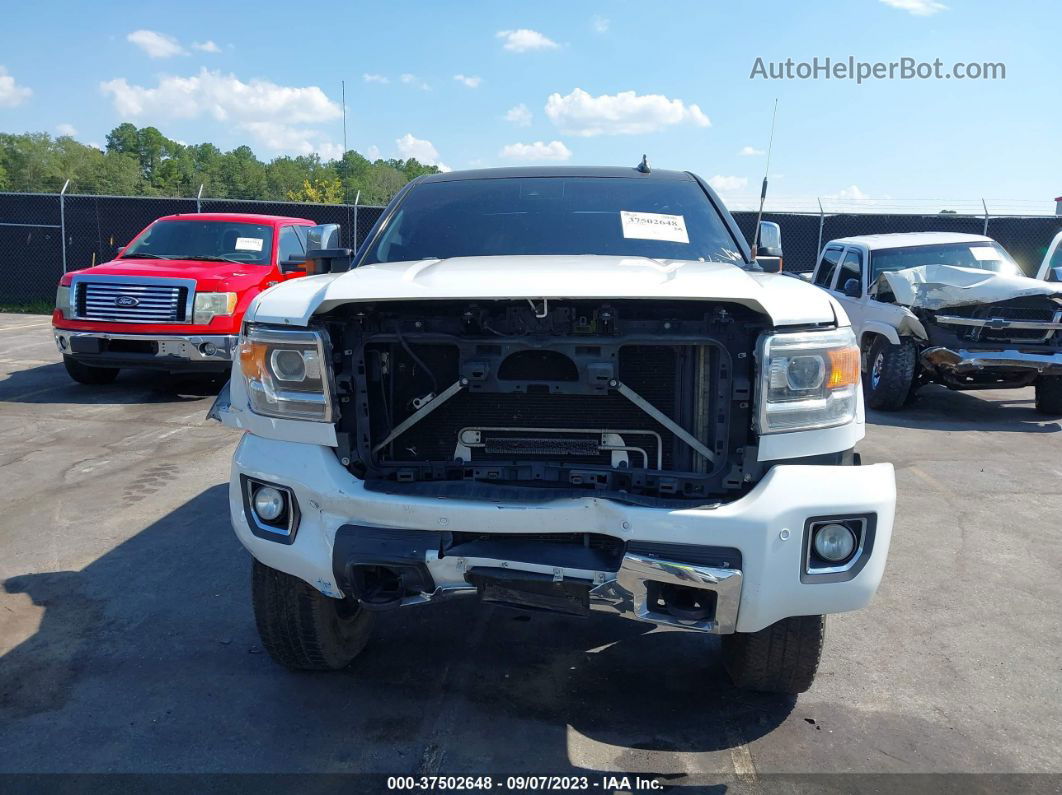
591	83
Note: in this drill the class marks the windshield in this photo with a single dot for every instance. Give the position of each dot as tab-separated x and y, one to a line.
210	241
985	255
663	219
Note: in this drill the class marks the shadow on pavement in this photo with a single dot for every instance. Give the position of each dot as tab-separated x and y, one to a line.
49	384
938	409
147	660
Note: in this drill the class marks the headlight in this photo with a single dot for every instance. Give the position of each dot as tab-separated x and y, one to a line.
287	373
209	305
807	380
62	300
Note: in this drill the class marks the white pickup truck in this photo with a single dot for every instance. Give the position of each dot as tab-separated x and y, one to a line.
560	389
948	308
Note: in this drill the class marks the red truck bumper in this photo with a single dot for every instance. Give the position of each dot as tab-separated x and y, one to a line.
170	352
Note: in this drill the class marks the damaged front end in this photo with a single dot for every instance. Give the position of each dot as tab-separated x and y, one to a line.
982	329
643	400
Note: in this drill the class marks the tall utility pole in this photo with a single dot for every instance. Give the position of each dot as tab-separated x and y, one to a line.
343	90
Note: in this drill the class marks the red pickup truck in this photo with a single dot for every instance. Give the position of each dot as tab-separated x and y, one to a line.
174	298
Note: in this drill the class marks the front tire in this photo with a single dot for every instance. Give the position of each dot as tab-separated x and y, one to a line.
86	374
781	658
301	628
889	375
1049	395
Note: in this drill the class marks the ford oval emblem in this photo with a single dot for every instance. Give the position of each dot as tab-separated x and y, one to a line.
126	300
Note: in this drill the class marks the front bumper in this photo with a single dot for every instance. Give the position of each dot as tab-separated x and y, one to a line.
767	527
176	352
964	361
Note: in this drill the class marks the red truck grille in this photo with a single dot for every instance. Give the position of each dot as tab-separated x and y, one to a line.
118	302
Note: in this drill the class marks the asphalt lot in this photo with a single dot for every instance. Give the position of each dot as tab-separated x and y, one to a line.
127	642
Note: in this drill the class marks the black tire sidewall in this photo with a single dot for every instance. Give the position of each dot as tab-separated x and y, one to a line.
86	374
1049	395
897	374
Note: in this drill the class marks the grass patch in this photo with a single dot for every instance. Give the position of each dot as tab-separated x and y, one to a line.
27	307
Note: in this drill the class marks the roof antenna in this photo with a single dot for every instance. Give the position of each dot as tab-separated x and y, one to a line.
763	190
644	165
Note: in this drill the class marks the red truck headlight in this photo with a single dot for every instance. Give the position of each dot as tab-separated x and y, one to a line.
210	305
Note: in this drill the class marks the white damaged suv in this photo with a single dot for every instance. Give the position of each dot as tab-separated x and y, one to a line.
561	389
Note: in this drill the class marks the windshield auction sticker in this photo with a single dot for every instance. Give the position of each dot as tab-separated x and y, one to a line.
248	244
654	226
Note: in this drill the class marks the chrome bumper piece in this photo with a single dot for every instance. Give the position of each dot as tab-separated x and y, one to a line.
626	595
623	593
191	348
964	360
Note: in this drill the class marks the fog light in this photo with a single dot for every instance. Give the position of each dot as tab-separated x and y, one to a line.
834	542
268	503
208	348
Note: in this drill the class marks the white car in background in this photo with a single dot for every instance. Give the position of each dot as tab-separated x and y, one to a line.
1051	267
948	308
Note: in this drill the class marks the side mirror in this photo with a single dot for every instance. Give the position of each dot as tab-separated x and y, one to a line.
322	236
322	243
852	288
770	240
292	266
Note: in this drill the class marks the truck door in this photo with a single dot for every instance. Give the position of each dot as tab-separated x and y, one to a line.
849	288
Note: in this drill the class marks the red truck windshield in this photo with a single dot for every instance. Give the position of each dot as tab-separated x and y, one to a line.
210	241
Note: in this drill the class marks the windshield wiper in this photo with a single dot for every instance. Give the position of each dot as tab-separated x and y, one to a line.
147	255
212	258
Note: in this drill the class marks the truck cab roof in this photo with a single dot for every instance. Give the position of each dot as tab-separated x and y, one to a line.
614	172
905	239
249	218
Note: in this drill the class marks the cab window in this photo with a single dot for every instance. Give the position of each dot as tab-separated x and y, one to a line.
827	265
292	245
851	268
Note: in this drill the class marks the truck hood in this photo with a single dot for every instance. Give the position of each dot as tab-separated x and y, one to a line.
786	301
209	276
940	286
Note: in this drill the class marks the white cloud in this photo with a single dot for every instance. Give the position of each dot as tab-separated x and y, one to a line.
206	46
156	45
918	8
222	96
524	40
419	149
372	153
724	184
279	137
11	93
370	78
468	80
413	80
751	151
554	150
272	114
850	194
66	129
599	24
579	113
519	115
329	150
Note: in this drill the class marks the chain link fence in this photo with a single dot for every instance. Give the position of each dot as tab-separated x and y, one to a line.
44	234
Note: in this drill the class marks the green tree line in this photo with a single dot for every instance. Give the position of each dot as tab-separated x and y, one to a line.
143	162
